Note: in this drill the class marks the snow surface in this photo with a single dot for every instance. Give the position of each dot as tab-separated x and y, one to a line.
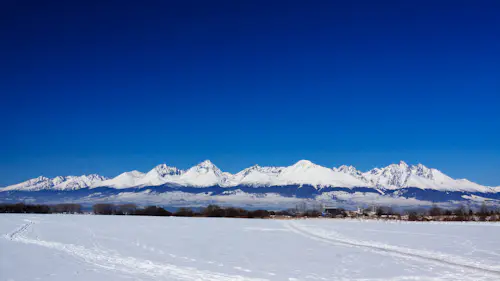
304	172
87	247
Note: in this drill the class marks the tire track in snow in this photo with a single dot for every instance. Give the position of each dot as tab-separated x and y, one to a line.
128	265
334	238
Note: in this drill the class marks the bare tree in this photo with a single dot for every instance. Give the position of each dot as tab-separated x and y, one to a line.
126	209
435	211
104	209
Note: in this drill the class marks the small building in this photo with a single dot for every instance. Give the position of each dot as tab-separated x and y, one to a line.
331	211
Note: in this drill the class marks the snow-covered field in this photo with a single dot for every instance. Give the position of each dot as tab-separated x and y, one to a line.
86	247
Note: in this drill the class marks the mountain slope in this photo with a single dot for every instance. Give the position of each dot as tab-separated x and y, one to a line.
58	183
124	180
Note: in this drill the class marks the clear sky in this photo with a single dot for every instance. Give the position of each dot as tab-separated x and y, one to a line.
110	86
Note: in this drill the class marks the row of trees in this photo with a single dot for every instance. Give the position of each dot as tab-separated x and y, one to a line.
435	213
209	211
40	209
484	213
132	209
462	213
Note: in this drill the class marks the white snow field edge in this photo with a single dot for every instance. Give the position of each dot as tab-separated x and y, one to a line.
86	247
303	172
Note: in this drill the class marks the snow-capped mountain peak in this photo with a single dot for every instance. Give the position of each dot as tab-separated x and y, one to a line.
256	176
303	172
403	164
37	183
248	170
163	170
346	169
72	183
394	175
205	167
418	176
203	174
57	183
123	180
351	170
304	164
206	164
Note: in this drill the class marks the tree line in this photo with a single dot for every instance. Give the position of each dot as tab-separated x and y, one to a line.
134	210
461	213
209	211
435	213
41	209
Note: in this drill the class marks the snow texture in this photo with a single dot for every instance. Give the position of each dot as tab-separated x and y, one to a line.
87	247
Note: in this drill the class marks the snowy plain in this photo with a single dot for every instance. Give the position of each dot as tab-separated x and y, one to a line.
88	247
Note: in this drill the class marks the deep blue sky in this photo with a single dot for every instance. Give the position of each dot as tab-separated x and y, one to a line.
110	86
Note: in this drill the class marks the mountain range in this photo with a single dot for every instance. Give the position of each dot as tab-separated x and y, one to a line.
303	173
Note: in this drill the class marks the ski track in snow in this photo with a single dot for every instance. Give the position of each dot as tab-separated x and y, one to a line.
437	258
138	268
14	234
113	261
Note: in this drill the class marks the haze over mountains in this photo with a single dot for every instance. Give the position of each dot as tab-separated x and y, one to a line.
302	173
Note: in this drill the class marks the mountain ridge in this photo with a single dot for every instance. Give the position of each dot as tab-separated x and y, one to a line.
303	172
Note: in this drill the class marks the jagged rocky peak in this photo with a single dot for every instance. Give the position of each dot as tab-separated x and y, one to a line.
38	179
418	170
346	169
207	164
350	170
205	167
256	169
392	175
399	175
163	170
422	171
58	183
41	180
249	170
96	177
402	167
59	179
72	182
403	164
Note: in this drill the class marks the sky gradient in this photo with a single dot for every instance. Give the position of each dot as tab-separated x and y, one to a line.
110	86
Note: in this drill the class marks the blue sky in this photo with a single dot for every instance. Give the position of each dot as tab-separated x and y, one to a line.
110	86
